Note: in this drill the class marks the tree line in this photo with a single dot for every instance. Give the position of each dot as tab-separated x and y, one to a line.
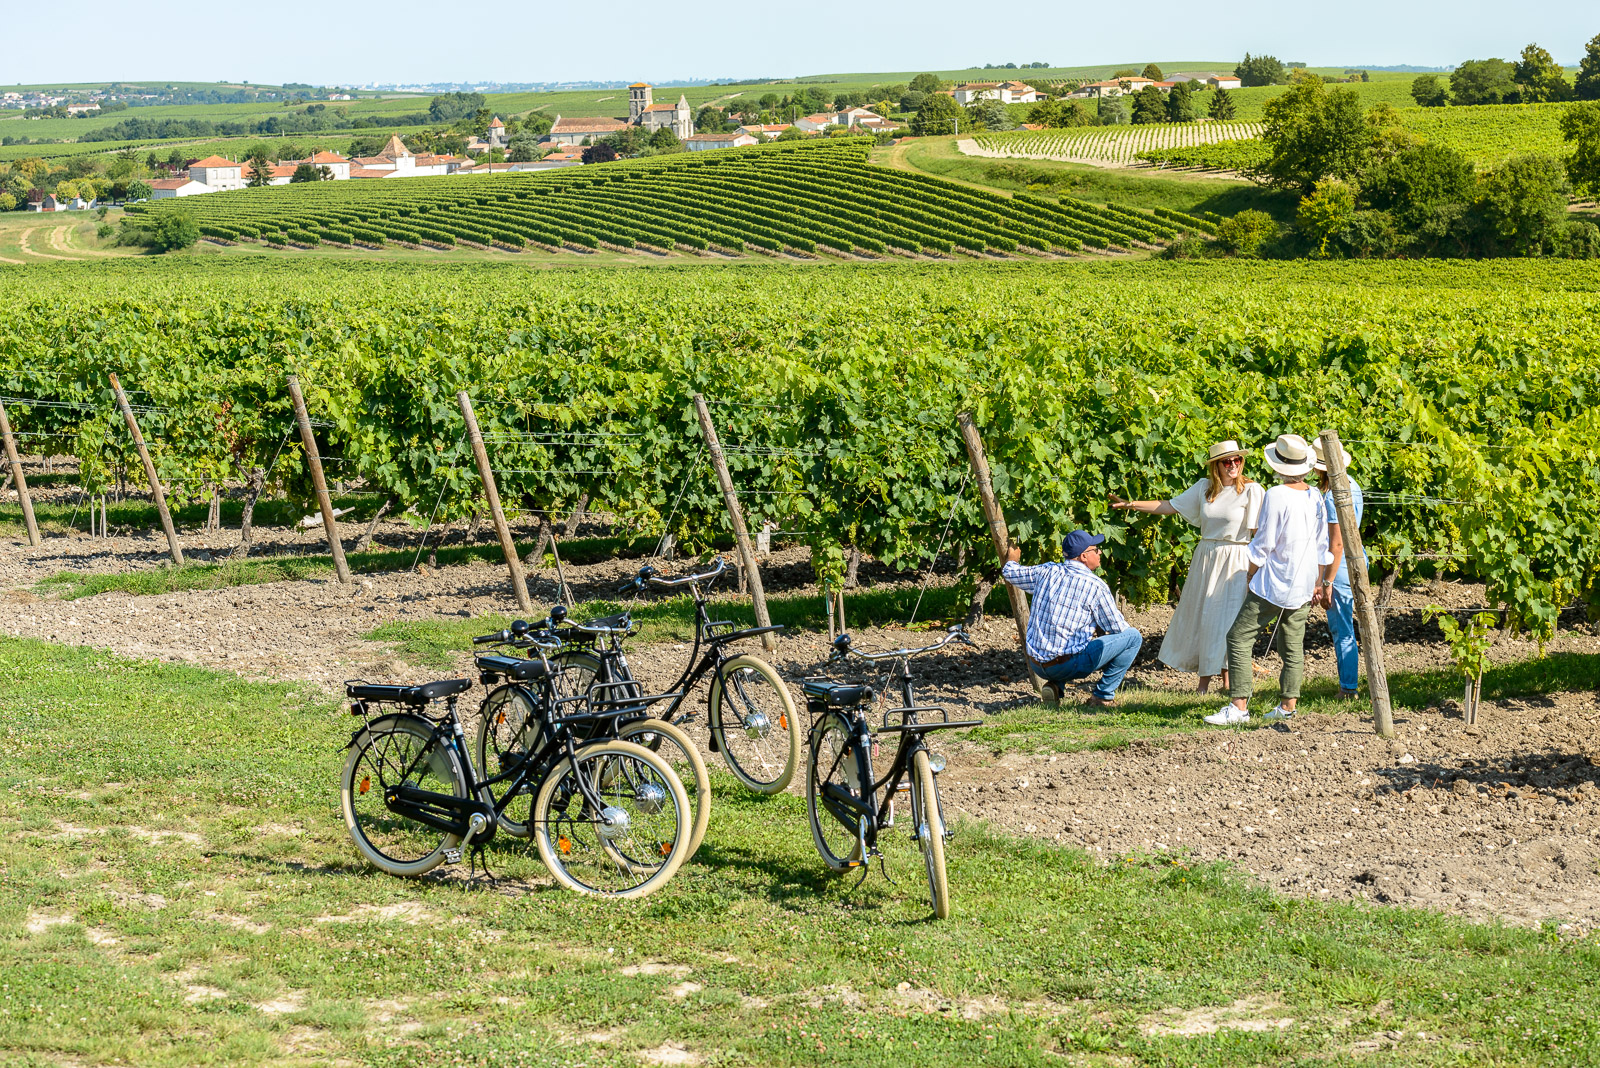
1535	78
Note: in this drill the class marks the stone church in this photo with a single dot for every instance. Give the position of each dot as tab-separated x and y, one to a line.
643	111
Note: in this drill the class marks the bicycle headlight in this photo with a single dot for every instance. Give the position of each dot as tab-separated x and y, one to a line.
936	762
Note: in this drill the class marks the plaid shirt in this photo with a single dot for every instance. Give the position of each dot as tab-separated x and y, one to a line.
1070	601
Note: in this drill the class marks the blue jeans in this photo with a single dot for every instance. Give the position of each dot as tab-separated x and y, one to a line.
1342	624
1112	652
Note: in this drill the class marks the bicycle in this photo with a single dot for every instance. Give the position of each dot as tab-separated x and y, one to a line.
512	719
750	713
842	793
609	817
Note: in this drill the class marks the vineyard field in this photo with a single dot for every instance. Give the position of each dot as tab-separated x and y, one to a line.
807	198
1110	144
1466	391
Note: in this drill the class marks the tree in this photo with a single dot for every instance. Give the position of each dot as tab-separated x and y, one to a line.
601	153
1326	212
791	133
1524	204
1075	113
1221	106
768	101
306	172
710	120
989	115
260	170
173	230
926	83
1180	104
523	149
1152	72
1045	113
1586	86
1149	106
1539	77
664	140
139	190
8	202
1429	92
1112	111
1244	233
1482	81
1416	183
1580	128
939	114
1261	70
1314	134
911	100
448	107
1125	72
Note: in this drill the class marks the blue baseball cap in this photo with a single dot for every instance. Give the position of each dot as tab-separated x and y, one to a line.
1078	541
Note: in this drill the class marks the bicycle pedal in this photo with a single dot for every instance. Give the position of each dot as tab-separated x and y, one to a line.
452	856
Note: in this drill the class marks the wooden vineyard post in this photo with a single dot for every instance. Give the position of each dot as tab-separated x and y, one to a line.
997	531
150	472
16	474
1356	561
741	536
320	484
519	585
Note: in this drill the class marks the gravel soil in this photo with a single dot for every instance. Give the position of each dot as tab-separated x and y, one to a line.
1496	820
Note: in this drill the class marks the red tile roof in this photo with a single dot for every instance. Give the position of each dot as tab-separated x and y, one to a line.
641	85
662	107
328	157
214	161
574	126
169	183
496	122
372	172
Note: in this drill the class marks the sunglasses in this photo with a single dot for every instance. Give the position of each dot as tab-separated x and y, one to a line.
1229	461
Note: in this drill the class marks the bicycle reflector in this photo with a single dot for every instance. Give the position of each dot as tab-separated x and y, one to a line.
366	783
936	762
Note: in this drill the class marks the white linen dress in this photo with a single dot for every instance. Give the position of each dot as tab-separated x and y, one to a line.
1197	639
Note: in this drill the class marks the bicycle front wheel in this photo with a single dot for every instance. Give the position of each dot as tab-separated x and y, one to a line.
671	744
930	832
395	750
754	724
637	839
833	760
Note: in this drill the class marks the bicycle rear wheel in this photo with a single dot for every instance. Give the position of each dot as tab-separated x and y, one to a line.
930	832
833	760
638	840
754	724
671	744
508	724
398	749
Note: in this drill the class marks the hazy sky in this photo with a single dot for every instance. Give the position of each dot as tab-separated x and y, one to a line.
413	41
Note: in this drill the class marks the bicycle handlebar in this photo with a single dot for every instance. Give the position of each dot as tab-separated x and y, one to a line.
648	574
842	647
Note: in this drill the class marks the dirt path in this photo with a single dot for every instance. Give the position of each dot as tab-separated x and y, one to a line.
27	249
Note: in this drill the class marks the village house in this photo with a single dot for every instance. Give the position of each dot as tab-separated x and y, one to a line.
216	173
579	131
166	188
706	142
969	93
764	131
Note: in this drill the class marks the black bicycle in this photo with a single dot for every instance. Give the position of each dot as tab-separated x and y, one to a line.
609	817
749	711
847	805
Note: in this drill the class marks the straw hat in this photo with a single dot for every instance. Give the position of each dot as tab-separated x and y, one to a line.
1223	449
1289	455
1317	459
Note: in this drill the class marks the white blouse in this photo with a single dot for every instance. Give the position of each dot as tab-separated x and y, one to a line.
1230	518
1290	545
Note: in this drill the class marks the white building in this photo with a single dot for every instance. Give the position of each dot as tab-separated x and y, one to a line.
577	131
1117	86
216	173
1224	81
706	142
167	188
969	93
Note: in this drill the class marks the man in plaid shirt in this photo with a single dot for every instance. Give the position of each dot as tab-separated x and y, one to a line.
1069	602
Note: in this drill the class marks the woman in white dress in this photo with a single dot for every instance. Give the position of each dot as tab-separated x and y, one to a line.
1225	505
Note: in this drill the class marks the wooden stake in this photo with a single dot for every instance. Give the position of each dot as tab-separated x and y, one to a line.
150	472
519	585
998	532
1356	561
314	461
741	536
16	473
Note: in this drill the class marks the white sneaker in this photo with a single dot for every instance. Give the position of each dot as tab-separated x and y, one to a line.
1231	715
1278	714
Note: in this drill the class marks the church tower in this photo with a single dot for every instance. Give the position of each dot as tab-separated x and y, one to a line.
639	101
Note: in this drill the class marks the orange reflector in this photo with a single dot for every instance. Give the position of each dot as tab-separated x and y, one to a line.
366	783
666	849
783	720
564	844
501	718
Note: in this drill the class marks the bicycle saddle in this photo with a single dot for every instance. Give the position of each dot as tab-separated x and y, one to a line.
511	667
620	621
407	695
835	694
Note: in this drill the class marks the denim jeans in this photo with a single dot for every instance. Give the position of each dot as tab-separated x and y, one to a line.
1112	652
1342	624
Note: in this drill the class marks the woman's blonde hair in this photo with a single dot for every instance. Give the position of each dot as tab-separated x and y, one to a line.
1214	476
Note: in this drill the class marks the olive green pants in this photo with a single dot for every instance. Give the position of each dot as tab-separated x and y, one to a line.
1290	642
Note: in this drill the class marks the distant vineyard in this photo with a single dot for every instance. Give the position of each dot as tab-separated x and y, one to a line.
1111	144
819	198
1237	156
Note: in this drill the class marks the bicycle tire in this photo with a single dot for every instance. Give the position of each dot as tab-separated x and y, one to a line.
567	832
763	761
930	833
508	722
838	845
573	671
696	785
389	841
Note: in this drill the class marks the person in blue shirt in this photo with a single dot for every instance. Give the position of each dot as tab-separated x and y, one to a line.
1338	599
1070	603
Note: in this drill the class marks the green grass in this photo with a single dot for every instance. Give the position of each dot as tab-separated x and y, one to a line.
174	859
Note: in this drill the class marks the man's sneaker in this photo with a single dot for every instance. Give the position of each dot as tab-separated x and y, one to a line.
1050	694
1231	715
1278	714
1348	695
1094	700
